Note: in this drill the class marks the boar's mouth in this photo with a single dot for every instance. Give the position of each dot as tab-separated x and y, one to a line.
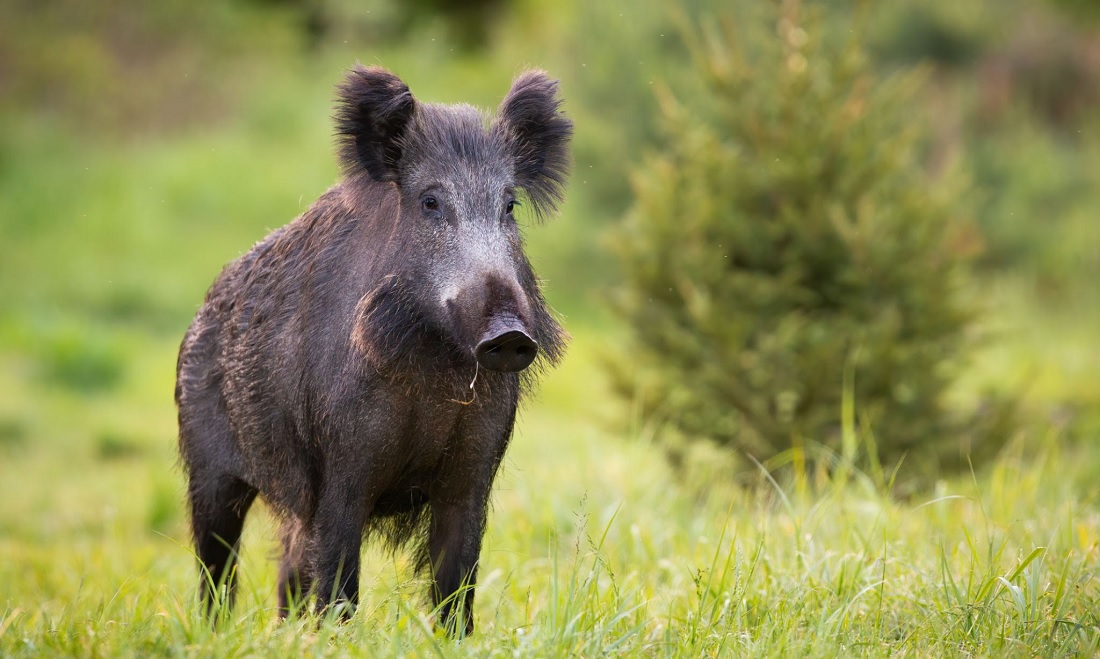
506	346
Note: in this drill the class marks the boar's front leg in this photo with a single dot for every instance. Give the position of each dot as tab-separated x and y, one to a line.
337	537
454	543
459	504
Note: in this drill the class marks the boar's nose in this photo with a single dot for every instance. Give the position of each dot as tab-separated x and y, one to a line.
506	346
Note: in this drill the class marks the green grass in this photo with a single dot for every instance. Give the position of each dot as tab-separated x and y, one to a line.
594	548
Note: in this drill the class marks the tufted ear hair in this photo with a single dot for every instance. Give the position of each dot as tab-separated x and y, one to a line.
537	132
373	110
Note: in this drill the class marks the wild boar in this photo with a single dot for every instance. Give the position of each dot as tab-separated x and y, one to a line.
360	367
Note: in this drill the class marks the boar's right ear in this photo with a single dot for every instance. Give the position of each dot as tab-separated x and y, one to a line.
373	110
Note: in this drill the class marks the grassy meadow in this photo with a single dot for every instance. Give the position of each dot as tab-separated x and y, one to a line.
119	204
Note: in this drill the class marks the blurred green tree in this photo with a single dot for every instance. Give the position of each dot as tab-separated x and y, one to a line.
1088	10
785	242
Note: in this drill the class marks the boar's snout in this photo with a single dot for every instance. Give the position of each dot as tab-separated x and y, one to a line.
506	346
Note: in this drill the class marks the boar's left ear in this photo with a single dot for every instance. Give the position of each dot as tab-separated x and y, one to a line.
373	110
538	132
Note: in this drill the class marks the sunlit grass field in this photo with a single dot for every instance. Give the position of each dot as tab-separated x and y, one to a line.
595	545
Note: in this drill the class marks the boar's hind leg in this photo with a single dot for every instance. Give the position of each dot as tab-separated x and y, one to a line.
454	543
218	506
294	574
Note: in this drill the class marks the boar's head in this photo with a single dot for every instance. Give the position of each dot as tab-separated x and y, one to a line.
453	246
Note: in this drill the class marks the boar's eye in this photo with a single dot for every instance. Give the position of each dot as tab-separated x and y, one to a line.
430	204
511	206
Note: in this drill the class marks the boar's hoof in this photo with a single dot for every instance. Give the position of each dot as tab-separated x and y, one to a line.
510	351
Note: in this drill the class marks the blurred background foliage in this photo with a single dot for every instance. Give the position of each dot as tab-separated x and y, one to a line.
788	251
143	145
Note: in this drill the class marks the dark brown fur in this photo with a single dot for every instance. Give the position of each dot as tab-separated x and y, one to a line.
330	369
